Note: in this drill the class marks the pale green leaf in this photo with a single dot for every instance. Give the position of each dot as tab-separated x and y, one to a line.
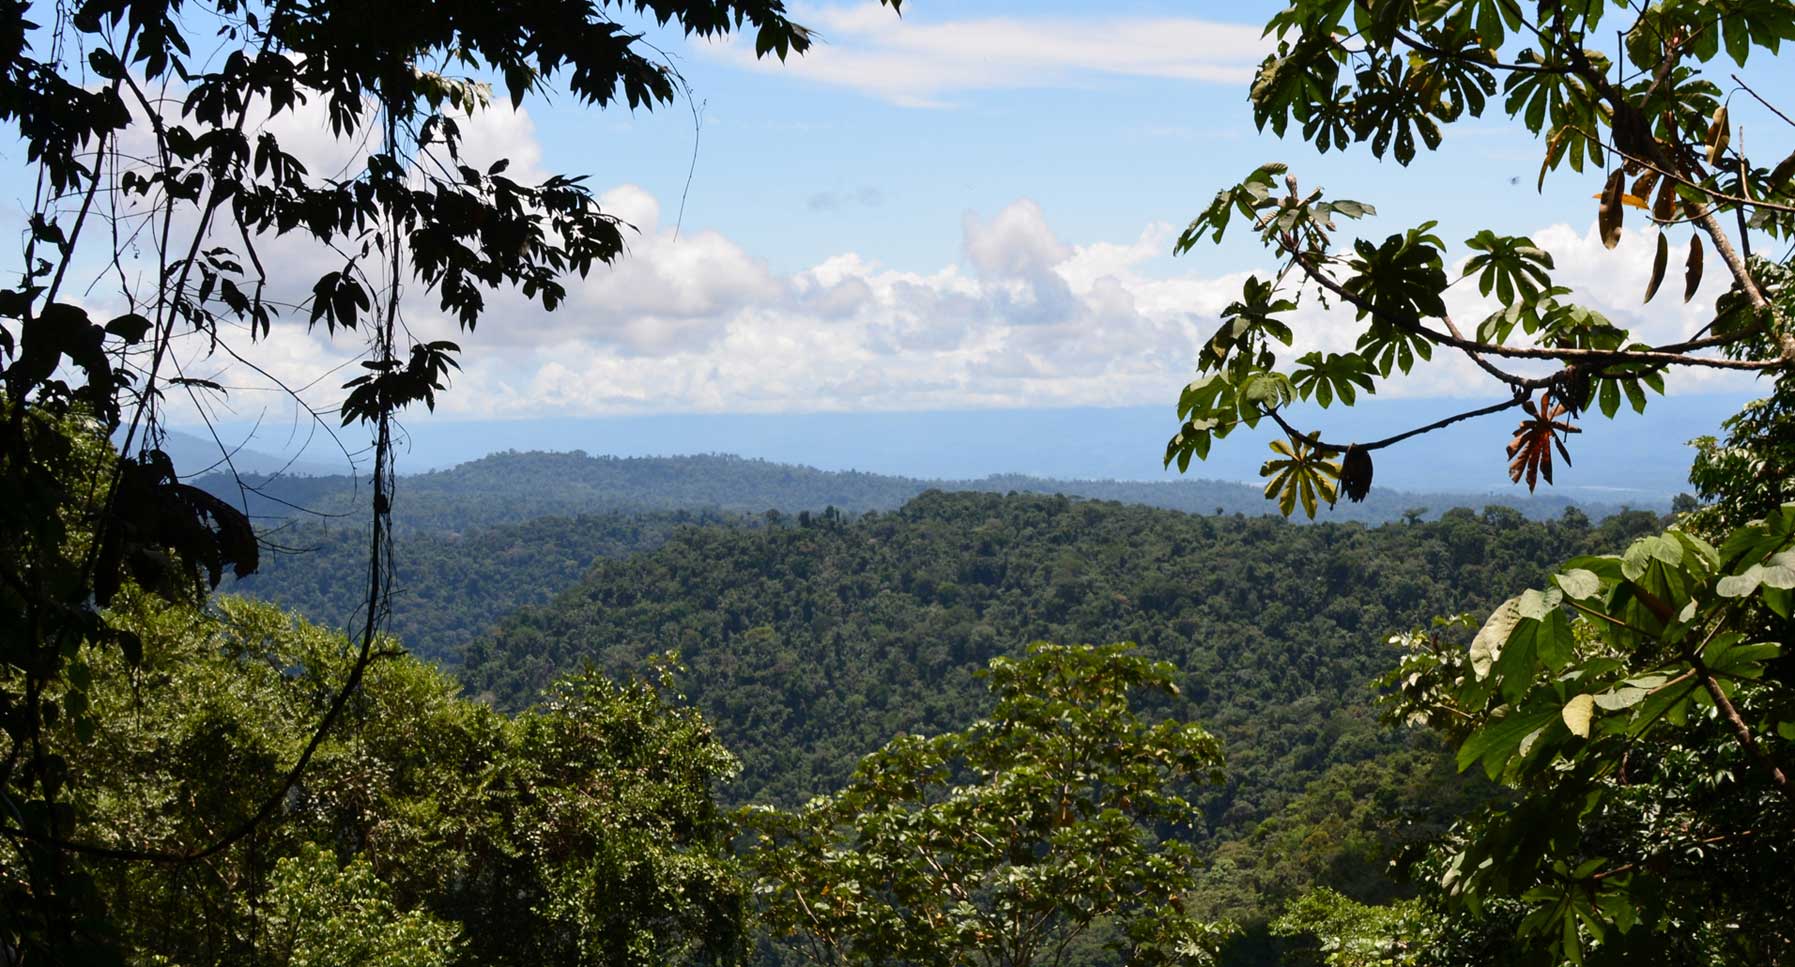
1487	646
1579	584
1577	713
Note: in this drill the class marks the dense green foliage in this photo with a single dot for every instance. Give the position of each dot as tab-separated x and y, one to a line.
476	542
1751	471
224	787
1060	817
429	830
450	586
198	185
810	646
1353	830
1638	706
1635	709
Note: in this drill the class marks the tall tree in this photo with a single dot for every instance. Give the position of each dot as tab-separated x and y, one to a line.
1035	836
162	183
1640	709
1632	92
430	829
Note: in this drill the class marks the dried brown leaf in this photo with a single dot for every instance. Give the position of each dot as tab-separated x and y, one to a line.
1692	269
1719	135
1660	262
1664	207
1530	452
1608	216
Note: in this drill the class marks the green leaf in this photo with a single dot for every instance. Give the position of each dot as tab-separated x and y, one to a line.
1510	266
1250	195
1579	584
1662	704
1538	604
1624	697
1302	474
1496	743
1777	572
1325	378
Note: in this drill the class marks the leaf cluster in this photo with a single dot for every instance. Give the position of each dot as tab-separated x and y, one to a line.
1392	75
1005	842
1638	705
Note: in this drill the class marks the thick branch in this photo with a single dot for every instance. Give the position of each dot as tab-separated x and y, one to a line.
1740	730
1320	444
1564	354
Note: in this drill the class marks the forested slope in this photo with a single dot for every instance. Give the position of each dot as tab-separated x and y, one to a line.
811	644
449	586
479	540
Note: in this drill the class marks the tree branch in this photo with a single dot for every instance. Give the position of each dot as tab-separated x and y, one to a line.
1564	354
1320	444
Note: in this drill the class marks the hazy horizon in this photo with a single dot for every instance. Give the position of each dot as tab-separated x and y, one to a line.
1119	443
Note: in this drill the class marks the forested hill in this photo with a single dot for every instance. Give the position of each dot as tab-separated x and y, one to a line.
512	529
810	644
448	586
512	487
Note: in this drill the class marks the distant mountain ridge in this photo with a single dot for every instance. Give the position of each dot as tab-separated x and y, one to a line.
1634	457
512	487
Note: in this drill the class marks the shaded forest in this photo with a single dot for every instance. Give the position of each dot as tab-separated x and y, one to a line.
811	642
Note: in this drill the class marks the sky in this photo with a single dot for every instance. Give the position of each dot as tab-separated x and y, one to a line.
968	207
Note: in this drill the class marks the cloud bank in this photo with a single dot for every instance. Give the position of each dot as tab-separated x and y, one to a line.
1021	318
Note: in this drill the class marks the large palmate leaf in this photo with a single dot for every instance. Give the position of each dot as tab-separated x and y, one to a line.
1249	323
1508	266
1325	378
1300	473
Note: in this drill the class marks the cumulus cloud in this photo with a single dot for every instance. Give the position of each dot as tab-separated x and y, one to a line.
1024	318
921	63
262	375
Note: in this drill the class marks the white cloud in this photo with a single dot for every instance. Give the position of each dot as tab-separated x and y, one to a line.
1613	282
1025	320
919	62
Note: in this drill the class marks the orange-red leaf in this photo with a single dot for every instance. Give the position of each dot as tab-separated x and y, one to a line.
1530	452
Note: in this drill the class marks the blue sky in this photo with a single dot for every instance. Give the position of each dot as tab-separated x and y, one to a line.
798	163
968	207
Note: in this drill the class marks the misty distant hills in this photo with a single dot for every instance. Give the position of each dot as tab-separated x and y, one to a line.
196	455
1633	457
513	487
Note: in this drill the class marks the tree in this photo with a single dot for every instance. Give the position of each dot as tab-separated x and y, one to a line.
1343	932
321	914
1636	708
1051	822
162	181
1751	472
1640	709
1386	73
1352	934
429	829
